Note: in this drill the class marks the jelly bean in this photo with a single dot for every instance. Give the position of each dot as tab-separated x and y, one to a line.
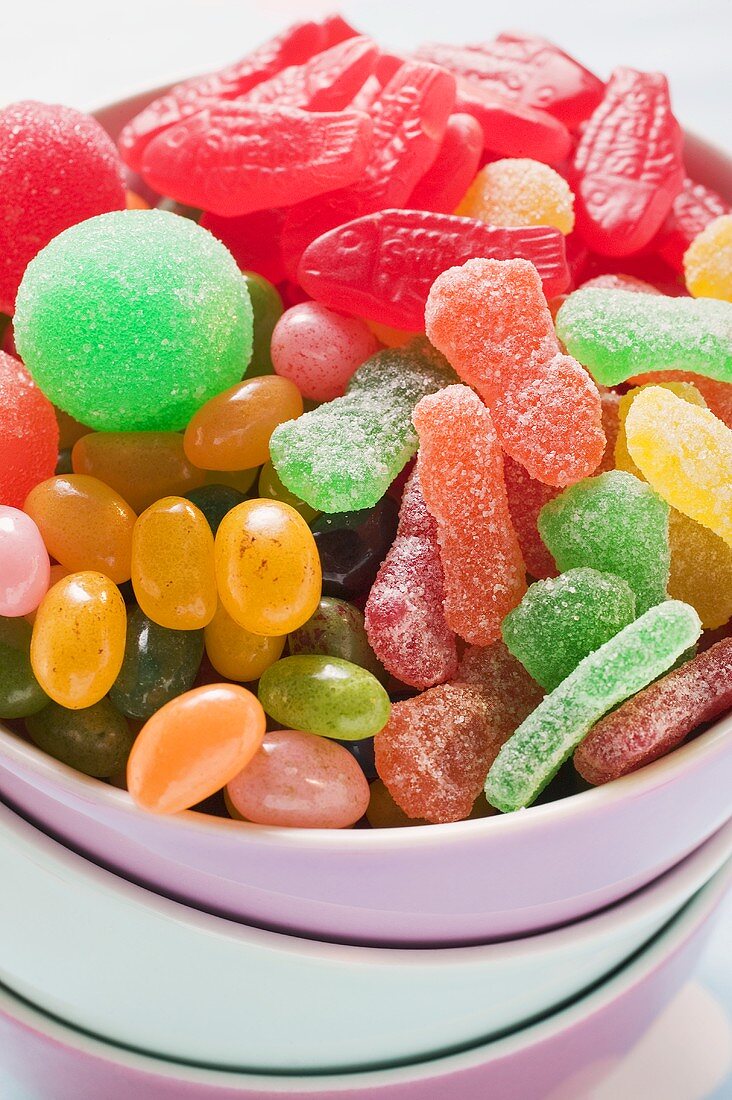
235	652
560	621
158	664
79	639
64	464
490	319
267	308
241	480
628	662
627	167
215	501
351	546
115	356
95	740
363	753
336	629
342	456
659	718
519	192
40	142
232	430
24	565
319	350
193	746
616	524
693	209
617	334
382	266
173	565
390	337
254	242
302	781
133	201
324	695
69	430
526	498
267	567
141	466
444	184
84	524
29	436
20	692
708	261
326	82
271	487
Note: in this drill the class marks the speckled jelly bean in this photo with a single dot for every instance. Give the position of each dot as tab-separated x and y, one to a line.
24	564
141	466
270	486
158	665
95	740
336	629
267	309
319	349
235	652
352	546
324	695
20	692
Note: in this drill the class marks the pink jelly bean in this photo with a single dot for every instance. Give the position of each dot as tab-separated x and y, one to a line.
302	781
319	349
25	568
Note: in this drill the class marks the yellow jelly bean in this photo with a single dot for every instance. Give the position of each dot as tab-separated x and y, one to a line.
235	652
708	261
173	565
271	487
267	567
519	192
141	466
79	639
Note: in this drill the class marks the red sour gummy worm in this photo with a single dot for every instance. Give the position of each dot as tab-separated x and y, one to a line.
461	473
511	129
444	184
491	321
58	167
693	209
659	718
229	158
383	265
28	433
526	498
405	620
252	239
327	82
627	168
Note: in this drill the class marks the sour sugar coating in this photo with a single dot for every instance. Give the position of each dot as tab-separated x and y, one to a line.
630	661
616	524
617	334
659	718
405	619
505	686
708	261
343	455
519	191
685	390
685	452
132	320
461	473
491	320
717	395
526	498
28	433
560	621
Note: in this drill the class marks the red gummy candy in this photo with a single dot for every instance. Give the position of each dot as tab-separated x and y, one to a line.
327	82
382	266
693	209
252	239
28	433
58	167
444	184
505	687
512	129
526	498
627	168
234	157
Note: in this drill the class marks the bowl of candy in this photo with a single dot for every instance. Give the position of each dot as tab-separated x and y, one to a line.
408	552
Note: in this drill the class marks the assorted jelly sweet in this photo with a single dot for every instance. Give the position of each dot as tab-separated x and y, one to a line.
383	471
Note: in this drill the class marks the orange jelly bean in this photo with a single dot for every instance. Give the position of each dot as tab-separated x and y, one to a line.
193	746
235	652
267	567
141	466
232	430
84	524
173	565
79	639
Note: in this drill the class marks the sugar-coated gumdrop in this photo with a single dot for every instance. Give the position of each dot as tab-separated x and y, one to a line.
526	498
461	474
336	629
519	192
617	334
24	564
319	349
158	665
132	320
20	692
659	718
708	261
141	466
302	781
693	209
194	746
352	546
58	167
444	184
29	434
560	621
633	658
490	319
95	740
235	652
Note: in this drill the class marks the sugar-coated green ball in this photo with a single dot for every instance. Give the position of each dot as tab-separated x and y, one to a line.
132	320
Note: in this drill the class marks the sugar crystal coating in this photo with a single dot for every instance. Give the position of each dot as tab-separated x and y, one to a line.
519	192
708	261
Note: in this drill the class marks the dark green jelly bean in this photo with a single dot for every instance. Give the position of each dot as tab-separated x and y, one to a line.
95	740
268	308
336	629
324	695
63	464
158	665
352	546
215	501
20	692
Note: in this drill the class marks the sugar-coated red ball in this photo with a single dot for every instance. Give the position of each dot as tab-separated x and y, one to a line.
28	433
57	167
319	349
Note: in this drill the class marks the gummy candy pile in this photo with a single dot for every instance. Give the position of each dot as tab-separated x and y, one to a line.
365	434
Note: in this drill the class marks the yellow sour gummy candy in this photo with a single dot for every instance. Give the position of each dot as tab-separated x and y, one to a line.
708	261
519	192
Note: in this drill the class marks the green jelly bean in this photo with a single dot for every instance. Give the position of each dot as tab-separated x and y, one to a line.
268	307
95	740
336	629
158	665
20	692
64	464
630	661
324	695
215	501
